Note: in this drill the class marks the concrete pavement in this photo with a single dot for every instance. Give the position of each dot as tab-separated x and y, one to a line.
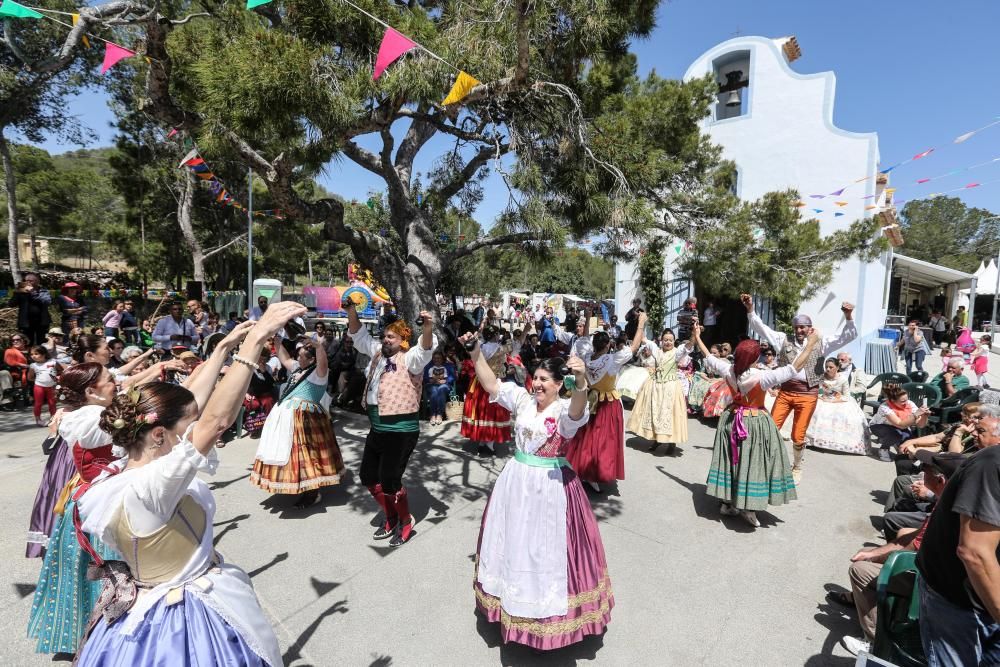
691	588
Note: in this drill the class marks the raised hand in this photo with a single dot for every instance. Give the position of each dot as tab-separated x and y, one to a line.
848	309
275	318
747	302
579	369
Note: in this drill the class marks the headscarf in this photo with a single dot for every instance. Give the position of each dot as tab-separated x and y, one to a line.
801	320
745	356
401	329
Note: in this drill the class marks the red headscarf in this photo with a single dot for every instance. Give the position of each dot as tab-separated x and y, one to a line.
745	355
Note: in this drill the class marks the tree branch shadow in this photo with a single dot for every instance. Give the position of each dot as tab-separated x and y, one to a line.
294	651
278	558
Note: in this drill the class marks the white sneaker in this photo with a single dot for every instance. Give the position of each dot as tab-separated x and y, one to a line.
856	645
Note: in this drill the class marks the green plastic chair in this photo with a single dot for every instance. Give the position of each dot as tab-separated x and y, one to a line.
883	379
949	409
897	623
918	391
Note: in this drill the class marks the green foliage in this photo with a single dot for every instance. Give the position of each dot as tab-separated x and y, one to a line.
944	230
571	271
767	249
651	261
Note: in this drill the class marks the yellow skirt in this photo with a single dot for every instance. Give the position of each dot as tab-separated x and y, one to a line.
660	412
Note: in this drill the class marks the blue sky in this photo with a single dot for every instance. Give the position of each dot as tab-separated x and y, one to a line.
919	73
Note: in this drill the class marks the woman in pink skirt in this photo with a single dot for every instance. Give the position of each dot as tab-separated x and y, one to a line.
598	450
540	567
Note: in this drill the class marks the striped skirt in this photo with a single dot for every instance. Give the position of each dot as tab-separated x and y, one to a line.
314	461
763	475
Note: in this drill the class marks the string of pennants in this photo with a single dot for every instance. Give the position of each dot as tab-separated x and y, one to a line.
200	169
840	201
395	45
113	53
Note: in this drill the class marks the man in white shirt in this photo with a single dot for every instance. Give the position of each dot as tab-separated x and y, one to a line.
175	330
258	311
797	397
539	313
578	341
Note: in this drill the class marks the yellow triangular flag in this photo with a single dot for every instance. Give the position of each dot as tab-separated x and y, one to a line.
83	38
463	86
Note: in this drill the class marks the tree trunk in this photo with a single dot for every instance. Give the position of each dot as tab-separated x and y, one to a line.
34	244
184	207
10	185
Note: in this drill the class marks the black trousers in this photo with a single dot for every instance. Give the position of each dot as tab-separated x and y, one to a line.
385	458
35	335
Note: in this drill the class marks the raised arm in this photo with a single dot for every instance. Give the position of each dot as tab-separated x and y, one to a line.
849	332
286	359
775	338
353	321
484	374
696	333
322	362
578	401
132	365
202	381
224	403
640	333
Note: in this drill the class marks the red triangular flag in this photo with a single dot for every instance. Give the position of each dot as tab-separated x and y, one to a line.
112	54
393	46
187	158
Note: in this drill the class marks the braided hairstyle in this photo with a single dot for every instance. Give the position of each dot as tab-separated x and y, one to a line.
75	380
134	413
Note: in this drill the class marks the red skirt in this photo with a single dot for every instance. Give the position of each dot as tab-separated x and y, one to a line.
597	451
483	421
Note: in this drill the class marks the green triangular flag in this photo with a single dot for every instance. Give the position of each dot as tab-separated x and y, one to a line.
256	3
677	249
11	8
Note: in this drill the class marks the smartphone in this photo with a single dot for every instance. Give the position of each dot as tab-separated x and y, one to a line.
925	401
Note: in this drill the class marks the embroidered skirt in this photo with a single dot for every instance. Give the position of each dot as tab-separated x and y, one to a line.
314	461
840	426
718	398
660	413
700	384
59	467
589	594
763	474
64	596
483	421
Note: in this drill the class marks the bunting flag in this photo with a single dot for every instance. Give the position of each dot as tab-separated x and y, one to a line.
75	18
837	215
463	86
840	203
11	9
837	193
393	46
193	155
924	154
172	132
256	3
112	54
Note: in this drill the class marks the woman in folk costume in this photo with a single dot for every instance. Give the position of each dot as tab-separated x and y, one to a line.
540	568
483	420
750	468
839	424
64	596
298	452
660	411
171	598
598	449
58	469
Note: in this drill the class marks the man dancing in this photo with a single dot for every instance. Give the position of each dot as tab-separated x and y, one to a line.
393	385
799	394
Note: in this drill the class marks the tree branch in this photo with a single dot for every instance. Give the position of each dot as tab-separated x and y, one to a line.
489	242
363	157
213	251
453	187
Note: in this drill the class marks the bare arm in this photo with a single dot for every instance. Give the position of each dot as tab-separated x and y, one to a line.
640	333
696	333
322	362
484	374
353	321
132	365
578	401
977	549
224	403
202	381
427	336
286	359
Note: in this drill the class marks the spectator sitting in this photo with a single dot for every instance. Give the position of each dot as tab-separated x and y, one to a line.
175	330
895	419
15	358
958	563
231	322
866	565
439	378
58	351
951	380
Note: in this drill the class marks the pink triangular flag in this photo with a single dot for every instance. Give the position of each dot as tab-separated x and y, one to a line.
924	154
112	54
393	46
923	180
972	185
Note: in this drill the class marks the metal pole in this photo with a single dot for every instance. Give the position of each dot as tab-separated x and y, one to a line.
249	239
996	288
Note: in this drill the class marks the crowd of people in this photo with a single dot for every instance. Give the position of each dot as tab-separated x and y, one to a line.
132	428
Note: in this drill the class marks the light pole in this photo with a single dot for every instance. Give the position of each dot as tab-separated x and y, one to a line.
249	239
996	288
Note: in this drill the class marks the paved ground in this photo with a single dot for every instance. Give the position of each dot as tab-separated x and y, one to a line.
690	588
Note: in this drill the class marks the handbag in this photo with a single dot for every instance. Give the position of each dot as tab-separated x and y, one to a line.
49	444
453	409
253	422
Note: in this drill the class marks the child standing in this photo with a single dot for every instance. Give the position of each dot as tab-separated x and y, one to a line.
945	357
981	360
43	370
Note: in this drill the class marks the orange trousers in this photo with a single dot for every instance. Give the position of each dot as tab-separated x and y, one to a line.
803	405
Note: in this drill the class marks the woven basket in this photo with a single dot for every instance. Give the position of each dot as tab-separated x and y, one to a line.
453	409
